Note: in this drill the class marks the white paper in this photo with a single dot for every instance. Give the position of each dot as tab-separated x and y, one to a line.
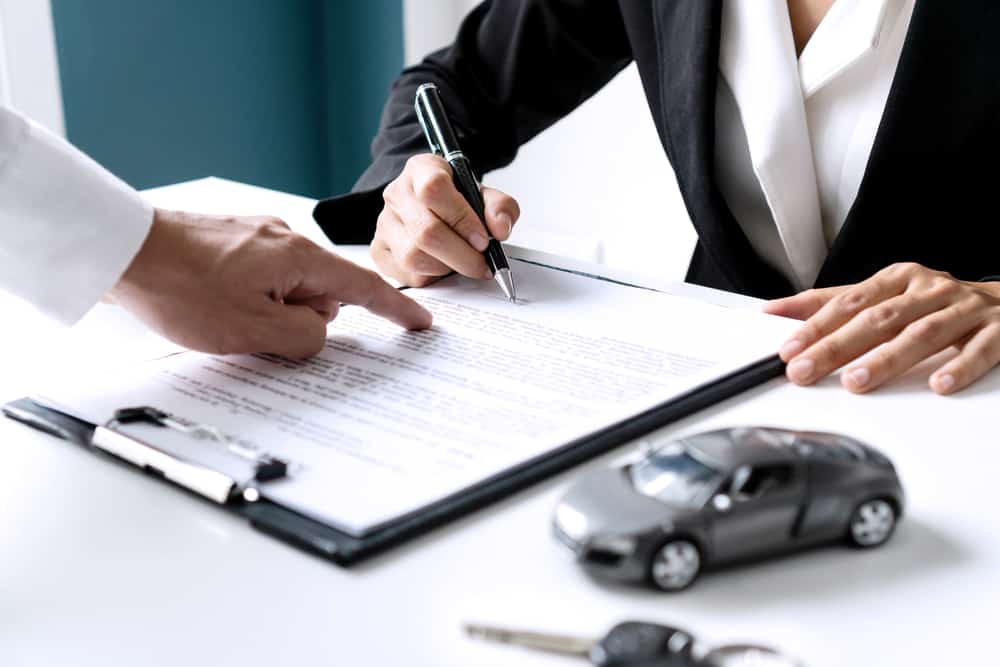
384	421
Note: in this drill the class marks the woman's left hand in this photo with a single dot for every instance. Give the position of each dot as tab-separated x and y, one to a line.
914	311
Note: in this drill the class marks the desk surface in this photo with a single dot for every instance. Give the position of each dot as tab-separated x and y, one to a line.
99	566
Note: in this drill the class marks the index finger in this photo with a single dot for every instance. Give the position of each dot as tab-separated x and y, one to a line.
803	305
434	188
358	286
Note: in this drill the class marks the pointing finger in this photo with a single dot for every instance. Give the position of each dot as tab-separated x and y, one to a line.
360	287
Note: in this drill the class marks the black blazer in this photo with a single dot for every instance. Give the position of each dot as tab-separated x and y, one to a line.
929	193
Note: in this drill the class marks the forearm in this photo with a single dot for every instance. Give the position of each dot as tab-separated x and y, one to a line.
68	228
515	68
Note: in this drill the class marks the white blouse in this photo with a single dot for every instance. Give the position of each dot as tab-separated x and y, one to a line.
794	134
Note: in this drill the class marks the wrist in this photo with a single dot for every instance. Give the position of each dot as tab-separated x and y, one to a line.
148	256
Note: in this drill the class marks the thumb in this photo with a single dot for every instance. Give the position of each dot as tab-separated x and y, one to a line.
502	211
356	286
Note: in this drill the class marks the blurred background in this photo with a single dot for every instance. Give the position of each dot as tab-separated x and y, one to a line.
286	94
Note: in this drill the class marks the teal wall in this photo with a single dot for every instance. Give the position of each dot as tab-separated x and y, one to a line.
280	93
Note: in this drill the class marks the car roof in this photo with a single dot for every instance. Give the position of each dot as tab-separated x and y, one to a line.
727	449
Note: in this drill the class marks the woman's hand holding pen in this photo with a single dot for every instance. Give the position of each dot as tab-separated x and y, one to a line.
427	229
901	316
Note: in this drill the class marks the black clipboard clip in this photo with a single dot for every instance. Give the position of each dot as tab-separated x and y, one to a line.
212	484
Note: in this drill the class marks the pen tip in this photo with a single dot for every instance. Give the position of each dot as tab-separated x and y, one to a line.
506	282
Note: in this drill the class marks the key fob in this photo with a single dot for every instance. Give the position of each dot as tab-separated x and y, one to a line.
635	644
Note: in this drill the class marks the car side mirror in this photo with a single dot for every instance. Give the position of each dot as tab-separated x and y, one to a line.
722	503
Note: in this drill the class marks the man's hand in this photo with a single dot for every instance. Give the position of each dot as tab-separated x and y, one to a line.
427	230
914	311
236	285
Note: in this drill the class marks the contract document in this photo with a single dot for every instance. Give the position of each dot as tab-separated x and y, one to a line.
385	422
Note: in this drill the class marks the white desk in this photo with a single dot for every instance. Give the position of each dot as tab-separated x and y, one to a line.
100	566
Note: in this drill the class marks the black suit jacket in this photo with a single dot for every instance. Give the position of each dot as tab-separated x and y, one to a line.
928	195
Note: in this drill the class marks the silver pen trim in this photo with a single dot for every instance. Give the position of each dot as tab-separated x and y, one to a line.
506	282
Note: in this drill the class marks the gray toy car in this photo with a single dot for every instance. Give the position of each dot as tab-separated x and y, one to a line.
726	496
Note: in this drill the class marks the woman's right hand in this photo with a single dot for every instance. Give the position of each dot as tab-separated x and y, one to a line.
427	230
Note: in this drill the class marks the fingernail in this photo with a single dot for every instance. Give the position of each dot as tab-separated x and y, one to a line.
508	224
791	348
944	382
859	377
488	275
801	370
478	241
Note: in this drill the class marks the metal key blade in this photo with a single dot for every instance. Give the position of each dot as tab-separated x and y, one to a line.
539	641
748	655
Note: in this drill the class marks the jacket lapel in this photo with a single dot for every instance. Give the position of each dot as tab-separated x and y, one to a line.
688	38
759	64
927	112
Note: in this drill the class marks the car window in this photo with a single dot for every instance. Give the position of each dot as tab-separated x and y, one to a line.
757	481
673	476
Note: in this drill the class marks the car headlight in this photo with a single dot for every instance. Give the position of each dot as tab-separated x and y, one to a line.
622	546
571	521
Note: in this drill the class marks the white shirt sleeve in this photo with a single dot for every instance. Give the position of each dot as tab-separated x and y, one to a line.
68	227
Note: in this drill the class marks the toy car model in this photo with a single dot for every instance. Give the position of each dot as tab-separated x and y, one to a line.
726	496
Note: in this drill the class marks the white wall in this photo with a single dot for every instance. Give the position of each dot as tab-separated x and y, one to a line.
584	192
29	71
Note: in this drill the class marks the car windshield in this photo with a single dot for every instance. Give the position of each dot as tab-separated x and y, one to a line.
672	476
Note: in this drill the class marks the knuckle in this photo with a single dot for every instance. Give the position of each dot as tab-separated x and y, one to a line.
852	300
422	161
808	332
301	244
884	363
262	228
904	269
812	298
991	349
928	328
828	352
385	218
432	186
391	192
428	234
942	289
412	259
977	302
881	316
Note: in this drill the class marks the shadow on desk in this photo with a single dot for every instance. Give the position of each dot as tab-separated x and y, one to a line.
824	573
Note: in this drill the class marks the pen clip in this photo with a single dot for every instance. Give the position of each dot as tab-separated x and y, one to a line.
425	127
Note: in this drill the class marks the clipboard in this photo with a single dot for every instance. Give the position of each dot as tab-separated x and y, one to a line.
337	546
343	549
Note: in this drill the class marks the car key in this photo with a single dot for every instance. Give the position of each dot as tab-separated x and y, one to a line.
638	644
629	644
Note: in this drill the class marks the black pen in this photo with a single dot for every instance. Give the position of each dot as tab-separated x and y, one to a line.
442	141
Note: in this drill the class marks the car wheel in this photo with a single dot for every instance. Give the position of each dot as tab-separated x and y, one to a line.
675	565
872	523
